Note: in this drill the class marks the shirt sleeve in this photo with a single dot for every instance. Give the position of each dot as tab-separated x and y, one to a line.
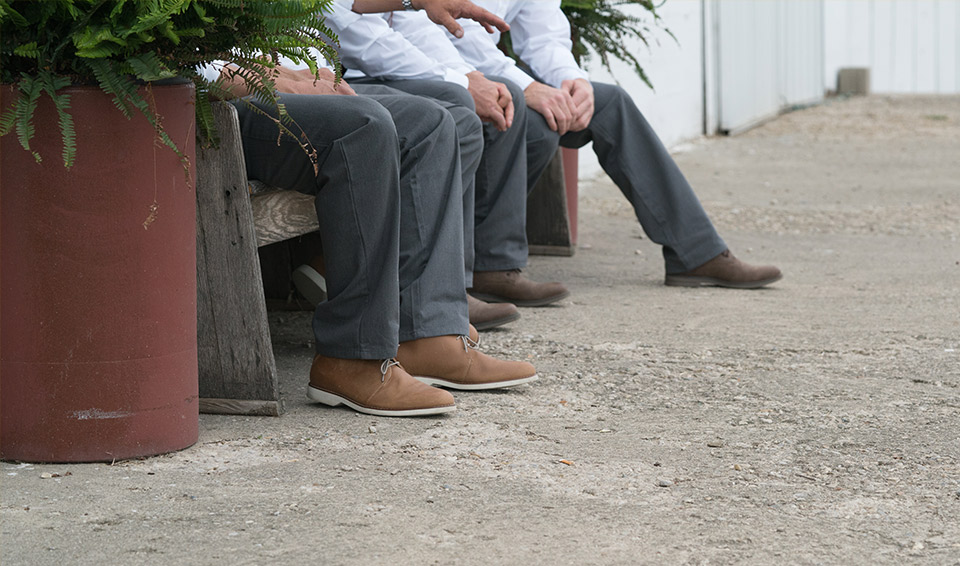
368	44
430	38
541	38
479	49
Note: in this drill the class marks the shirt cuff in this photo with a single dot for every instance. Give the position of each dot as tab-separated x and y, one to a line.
452	76
517	77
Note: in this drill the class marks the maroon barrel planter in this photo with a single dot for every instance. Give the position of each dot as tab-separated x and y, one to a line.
98	360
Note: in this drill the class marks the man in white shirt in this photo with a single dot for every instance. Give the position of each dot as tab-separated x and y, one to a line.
571	111
495	187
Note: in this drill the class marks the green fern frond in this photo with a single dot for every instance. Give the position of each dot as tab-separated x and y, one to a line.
7	119
61	102
14	17
27	50
122	89
206	129
30	89
149	67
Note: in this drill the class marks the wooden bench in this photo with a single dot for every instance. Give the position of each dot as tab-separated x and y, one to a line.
235	216
238	372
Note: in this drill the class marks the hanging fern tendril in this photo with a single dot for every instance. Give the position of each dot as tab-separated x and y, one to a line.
120	45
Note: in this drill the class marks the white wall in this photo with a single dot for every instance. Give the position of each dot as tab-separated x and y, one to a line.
675	108
911	46
739	61
769	56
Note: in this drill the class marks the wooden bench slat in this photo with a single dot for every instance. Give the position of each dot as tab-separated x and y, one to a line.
280	215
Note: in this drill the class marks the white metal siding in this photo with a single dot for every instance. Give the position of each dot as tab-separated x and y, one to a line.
911	46
770	55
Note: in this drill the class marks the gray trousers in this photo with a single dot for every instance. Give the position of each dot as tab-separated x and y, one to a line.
634	157
387	186
495	197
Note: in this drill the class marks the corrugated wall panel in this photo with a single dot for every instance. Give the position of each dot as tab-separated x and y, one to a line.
801	51
770	56
911	46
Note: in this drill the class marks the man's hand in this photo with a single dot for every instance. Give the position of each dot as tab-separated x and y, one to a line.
581	92
446	12
303	82
443	12
555	105
493	100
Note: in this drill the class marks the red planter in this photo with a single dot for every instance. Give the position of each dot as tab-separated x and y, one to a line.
98	359
571	167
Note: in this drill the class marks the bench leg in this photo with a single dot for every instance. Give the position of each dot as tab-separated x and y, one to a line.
238	373
548	218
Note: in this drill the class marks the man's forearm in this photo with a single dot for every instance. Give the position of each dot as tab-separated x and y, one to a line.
443	12
376	6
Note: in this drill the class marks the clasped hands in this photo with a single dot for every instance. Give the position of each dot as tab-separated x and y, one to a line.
566	109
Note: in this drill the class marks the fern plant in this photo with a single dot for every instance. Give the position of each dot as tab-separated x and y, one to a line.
121	45
601	28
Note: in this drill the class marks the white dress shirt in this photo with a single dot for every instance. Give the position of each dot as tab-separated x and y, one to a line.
541	38
369	46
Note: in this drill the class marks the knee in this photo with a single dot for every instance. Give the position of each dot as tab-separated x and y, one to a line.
606	94
355	114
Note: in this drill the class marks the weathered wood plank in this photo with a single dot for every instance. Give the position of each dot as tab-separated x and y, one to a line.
235	354
548	220
280	215
240	407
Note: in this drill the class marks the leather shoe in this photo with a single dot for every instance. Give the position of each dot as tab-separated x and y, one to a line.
725	270
455	362
512	287
310	284
374	387
485	316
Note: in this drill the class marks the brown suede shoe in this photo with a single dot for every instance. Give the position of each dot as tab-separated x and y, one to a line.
725	270
485	316
512	287
454	362
373	387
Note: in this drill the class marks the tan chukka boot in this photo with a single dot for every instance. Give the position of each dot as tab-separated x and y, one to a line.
374	387
454	362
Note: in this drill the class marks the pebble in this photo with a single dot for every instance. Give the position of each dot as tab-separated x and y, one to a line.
372	429
715	444
664	483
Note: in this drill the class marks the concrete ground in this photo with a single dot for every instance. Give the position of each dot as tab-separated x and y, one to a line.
815	422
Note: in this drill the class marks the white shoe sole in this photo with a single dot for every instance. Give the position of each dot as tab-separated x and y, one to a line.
310	284
437	382
332	400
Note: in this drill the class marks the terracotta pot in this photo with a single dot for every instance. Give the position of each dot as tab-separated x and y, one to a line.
571	168
98	359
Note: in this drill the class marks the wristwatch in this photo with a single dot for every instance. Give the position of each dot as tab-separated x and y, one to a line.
407	4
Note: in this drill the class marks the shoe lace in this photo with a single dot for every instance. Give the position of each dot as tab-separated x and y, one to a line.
470	343
385	367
